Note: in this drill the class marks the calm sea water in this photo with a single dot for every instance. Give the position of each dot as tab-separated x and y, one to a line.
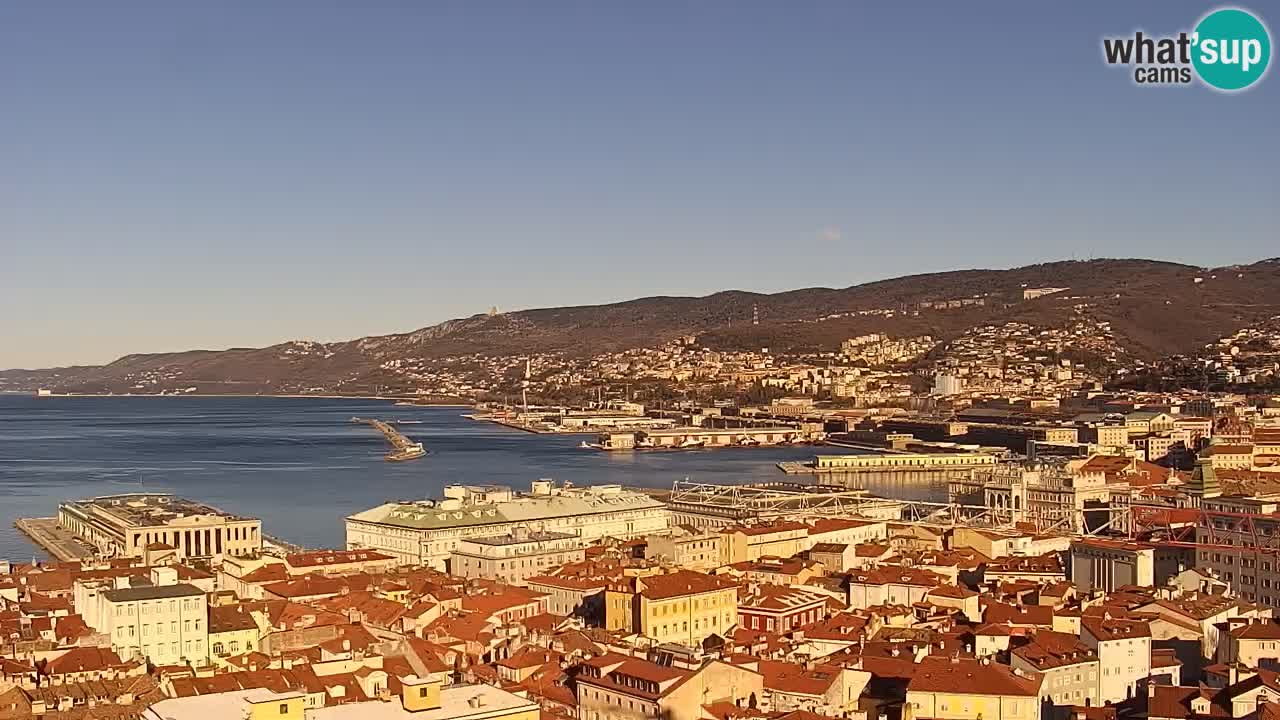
299	464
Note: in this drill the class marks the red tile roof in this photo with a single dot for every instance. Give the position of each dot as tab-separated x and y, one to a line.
962	675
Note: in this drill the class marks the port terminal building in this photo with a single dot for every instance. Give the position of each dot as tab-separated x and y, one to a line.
135	524
428	532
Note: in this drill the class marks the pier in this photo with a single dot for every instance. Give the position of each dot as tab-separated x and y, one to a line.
402	448
62	544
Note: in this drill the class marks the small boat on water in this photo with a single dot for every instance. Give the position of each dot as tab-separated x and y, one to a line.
590	446
404	422
690	444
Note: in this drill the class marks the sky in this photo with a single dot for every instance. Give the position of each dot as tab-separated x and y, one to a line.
241	173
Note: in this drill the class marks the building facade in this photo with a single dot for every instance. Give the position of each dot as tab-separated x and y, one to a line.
428	531
156	618
516	557
126	525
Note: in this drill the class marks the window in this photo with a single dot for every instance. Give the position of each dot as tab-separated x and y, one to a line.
284	708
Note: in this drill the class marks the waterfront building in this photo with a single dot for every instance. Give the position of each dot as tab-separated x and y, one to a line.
903	461
426	532
127	525
516	557
156	618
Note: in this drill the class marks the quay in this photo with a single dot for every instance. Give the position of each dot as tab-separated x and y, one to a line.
61	544
402	448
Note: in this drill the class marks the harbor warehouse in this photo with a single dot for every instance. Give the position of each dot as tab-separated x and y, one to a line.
428	531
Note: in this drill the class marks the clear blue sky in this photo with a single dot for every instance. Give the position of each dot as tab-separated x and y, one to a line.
178	175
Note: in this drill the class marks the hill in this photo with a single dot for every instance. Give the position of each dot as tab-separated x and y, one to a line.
1155	309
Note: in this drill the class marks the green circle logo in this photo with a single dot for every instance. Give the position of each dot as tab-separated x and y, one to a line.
1230	49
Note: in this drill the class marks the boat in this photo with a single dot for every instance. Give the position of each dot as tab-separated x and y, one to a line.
748	442
404	422
590	446
690	444
407	452
406	403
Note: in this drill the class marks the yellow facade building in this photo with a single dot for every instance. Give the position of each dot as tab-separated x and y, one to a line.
683	607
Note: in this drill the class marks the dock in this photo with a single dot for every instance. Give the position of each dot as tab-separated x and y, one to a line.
402	448
61	544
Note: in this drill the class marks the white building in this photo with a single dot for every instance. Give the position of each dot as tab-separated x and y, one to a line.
428	531
1124	655
126	525
157	618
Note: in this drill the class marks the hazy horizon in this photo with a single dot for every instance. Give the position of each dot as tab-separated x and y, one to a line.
239	175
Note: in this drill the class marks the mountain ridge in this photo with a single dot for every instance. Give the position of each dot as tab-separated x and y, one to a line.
1157	308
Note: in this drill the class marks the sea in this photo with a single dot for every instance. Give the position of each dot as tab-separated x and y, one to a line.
300	464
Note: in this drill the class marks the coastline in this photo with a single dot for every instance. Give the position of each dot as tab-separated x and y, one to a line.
246	395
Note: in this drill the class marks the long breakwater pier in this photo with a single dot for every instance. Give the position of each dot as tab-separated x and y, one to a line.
402	448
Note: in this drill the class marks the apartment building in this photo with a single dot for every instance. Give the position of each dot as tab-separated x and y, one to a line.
1070	668
955	688
682	607
614	687
516	557
1123	648
156	618
691	550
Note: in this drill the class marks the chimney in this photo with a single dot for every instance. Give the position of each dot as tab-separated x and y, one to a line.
122	583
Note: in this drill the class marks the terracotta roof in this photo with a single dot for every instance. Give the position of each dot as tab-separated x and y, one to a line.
229	618
1171	701
963	675
1266	630
898	575
1115	628
323	558
998	612
681	583
82	659
1226	450
793	679
1049	649
306	586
